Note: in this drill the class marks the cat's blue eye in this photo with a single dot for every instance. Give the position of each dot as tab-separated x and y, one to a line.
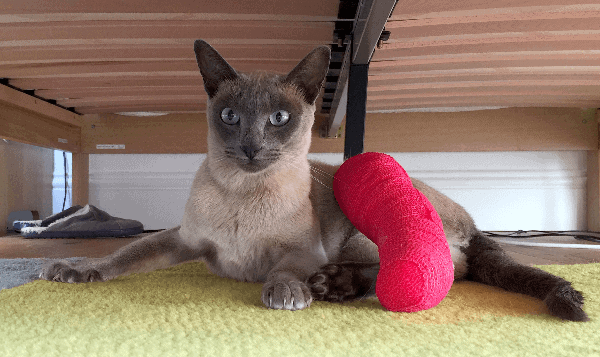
229	116
279	118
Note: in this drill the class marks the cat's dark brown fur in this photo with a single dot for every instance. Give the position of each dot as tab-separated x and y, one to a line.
260	211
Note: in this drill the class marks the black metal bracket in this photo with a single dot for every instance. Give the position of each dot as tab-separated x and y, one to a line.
353	44
356	111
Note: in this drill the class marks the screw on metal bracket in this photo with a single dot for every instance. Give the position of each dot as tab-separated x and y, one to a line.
385	35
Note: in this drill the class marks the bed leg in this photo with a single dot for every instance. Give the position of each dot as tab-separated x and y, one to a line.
81	179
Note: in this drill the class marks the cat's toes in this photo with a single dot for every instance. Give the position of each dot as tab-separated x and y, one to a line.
65	273
565	302
286	295
336	283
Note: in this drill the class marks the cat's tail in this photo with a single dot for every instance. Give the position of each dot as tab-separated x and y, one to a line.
489	264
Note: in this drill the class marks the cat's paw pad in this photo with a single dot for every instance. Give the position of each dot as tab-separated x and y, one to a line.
286	295
334	283
65	273
565	302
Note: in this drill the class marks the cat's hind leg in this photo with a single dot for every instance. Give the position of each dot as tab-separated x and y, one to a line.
352	276
487	263
156	251
347	281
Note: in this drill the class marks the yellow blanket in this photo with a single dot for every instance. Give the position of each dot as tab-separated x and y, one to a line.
187	311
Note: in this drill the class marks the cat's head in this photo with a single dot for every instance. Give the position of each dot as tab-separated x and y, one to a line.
258	120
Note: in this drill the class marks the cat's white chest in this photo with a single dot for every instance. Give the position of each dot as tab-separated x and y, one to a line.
249	232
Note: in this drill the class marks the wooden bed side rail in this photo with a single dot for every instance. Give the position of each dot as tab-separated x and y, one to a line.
509	129
30	120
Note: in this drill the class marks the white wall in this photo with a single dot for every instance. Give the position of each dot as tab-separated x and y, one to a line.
28	178
501	190
58	182
150	188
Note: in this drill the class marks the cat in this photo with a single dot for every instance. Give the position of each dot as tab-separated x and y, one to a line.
260	211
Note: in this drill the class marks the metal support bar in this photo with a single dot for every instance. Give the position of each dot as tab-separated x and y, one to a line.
358	79
340	97
369	22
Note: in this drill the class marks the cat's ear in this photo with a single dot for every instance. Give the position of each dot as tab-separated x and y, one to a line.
213	67
310	73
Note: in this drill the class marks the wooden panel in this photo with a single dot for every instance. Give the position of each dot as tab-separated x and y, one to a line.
516	102
475	8
174	133
593	191
163	108
275	30
485	77
129	9
27	127
476	48
488	59
108	82
71	93
4	204
523	61
181	98
118	69
474	54
593	179
479	89
81	179
11	97
496	23
494	38
509	129
70	53
102	52
465	82
73	43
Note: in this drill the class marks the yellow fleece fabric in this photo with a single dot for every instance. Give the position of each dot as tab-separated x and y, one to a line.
187	311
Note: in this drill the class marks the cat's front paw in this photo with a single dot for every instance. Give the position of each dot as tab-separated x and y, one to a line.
343	281
286	295
565	302
66	273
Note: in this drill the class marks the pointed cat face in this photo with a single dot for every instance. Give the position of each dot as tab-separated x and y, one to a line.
257	120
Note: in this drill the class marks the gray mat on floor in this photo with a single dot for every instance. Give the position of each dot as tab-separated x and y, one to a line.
15	272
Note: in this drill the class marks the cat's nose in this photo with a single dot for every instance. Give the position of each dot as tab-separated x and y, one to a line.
250	151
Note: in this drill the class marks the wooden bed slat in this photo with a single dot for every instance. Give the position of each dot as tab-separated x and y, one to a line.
516	102
482	48
91	30
317	8
480	8
109	53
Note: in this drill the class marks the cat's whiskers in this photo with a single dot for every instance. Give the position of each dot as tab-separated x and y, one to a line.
219	159
322	184
295	164
314	175
315	169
